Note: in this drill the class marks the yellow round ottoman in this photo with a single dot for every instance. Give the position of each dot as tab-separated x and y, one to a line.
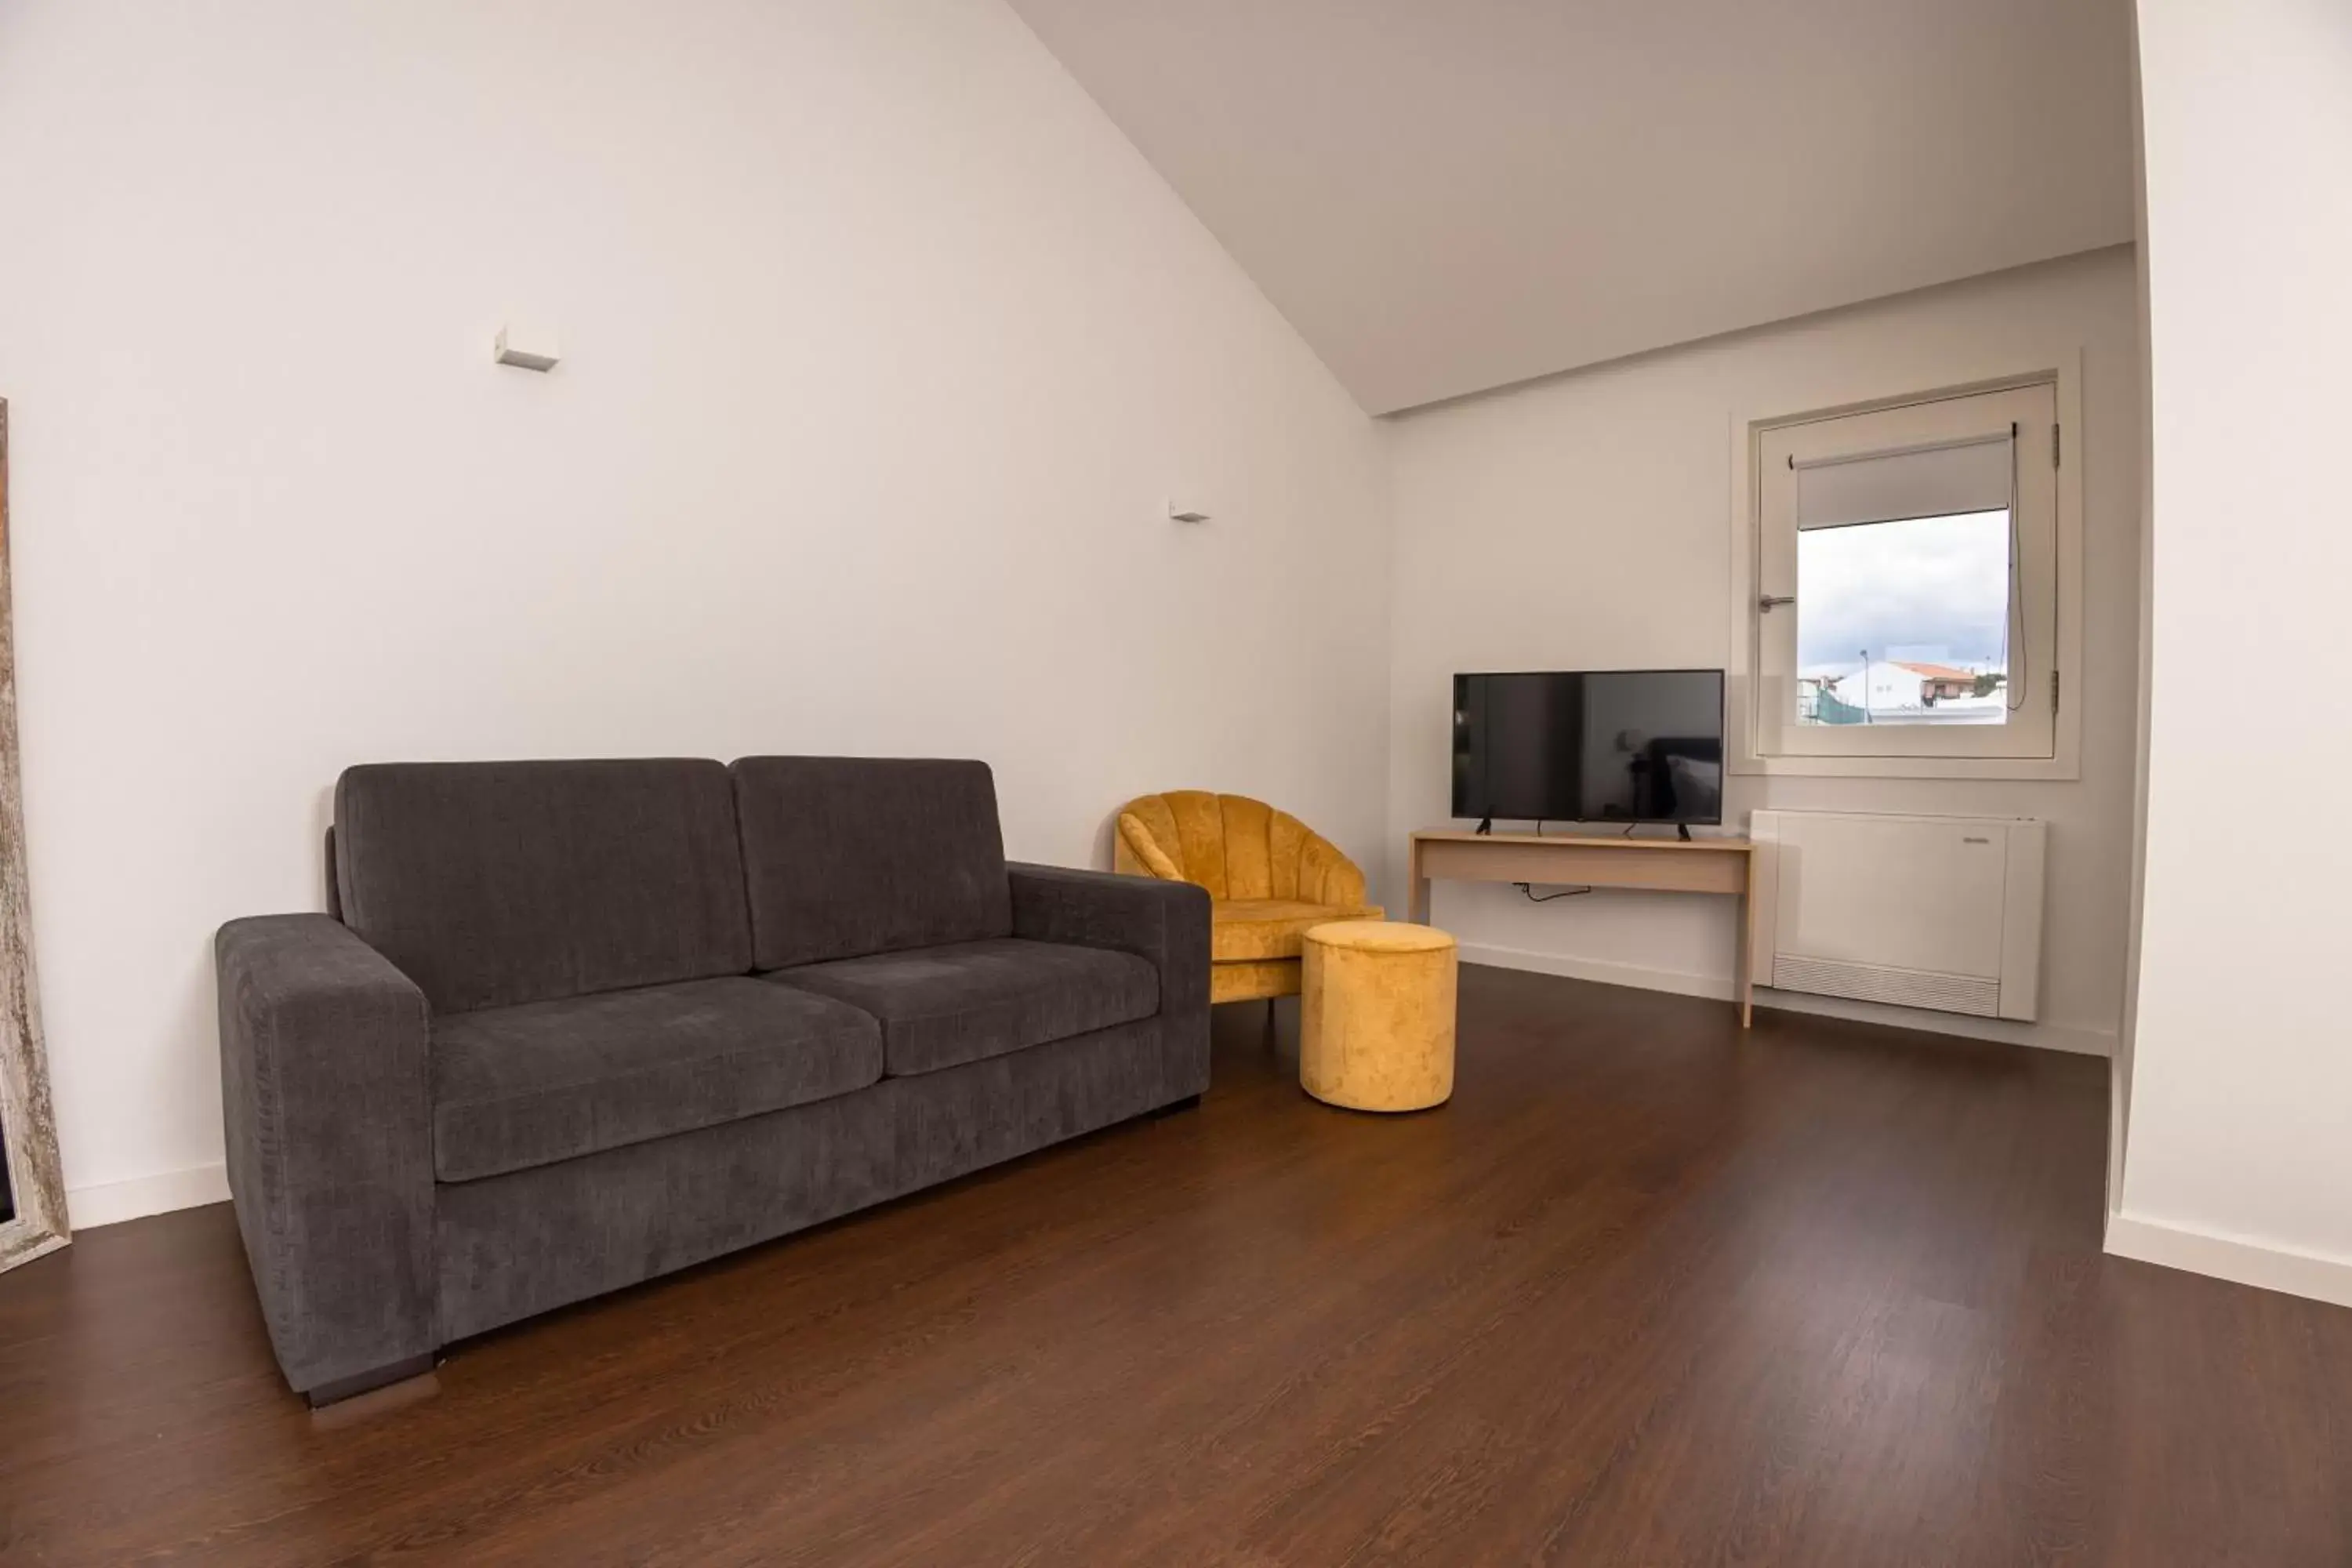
1376	1016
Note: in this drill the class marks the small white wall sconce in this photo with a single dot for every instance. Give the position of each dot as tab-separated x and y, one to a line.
1180	511
528	346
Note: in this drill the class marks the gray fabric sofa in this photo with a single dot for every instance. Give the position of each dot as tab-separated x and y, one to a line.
570	1025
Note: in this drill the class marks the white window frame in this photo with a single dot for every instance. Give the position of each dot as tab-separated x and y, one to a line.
1913	750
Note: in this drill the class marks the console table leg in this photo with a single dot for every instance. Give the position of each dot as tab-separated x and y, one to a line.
1747	952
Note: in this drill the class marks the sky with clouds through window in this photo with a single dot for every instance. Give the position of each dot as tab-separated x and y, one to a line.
1928	589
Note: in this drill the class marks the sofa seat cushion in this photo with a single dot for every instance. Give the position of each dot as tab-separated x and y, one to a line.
529	1084
941	1007
1243	931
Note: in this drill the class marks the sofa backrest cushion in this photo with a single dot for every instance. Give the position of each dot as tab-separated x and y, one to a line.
847	856
495	883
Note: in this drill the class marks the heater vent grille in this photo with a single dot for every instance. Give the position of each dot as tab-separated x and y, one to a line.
1873	982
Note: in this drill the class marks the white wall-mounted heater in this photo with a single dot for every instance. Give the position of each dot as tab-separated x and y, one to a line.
1924	912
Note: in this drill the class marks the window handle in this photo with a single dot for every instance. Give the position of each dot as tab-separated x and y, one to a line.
1774	601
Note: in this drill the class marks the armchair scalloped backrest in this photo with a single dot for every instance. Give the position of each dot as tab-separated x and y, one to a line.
1235	846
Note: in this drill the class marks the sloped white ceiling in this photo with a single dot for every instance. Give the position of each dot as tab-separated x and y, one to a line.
1447	195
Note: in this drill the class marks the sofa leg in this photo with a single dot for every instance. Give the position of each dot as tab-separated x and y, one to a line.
343	1388
1271	1004
1176	1107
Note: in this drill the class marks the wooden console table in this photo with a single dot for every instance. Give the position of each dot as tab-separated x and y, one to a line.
1658	865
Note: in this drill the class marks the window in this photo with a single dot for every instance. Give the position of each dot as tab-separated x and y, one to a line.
1905	589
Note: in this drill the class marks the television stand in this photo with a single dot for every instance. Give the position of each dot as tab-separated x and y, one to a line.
1679	865
1485	825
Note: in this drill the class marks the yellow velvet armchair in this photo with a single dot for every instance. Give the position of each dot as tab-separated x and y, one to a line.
1269	877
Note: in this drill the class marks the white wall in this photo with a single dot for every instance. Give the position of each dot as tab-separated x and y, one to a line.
884	349
1584	522
2119	1079
2240	1153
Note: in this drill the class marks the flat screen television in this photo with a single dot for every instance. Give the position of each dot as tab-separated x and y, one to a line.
1593	745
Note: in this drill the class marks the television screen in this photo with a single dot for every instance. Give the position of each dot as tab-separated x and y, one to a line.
1601	745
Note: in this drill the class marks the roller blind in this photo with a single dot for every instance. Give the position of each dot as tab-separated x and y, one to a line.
1946	480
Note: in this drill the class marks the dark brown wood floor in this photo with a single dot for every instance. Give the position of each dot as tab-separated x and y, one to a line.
1647	1292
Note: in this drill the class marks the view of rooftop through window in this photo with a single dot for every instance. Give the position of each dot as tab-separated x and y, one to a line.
1904	622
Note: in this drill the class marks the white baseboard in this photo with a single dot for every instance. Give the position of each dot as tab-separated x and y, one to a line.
2064	1037
109	1202
2002	1031
1638	976
2244	1262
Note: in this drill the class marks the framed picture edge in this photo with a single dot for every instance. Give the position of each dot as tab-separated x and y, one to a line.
27	1121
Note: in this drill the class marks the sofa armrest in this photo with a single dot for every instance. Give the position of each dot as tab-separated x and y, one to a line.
326	1087
1167	922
